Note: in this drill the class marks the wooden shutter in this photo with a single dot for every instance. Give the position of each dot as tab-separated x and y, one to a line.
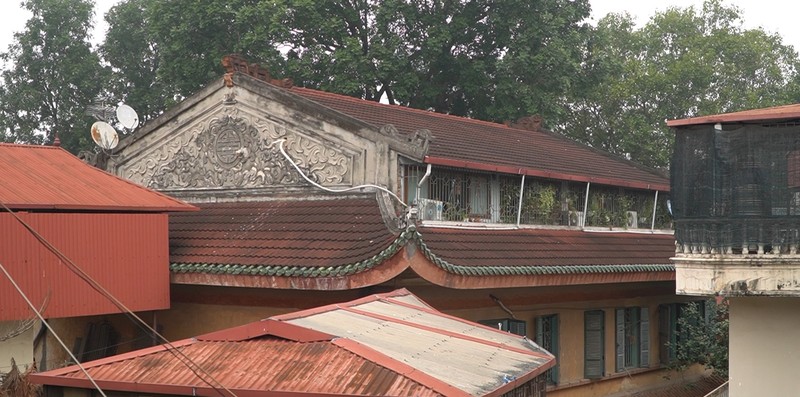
620	330
594	363
644	338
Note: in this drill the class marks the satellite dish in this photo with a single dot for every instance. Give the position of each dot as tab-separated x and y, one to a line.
104	135
127	117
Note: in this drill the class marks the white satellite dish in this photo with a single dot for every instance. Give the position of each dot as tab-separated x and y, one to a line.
127	117
104	135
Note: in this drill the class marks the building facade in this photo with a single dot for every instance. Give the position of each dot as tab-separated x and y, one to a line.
505	224
735	193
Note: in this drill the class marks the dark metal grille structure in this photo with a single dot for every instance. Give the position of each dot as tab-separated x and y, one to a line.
736	189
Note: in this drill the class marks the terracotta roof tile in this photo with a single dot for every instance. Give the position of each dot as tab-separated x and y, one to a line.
319	233
547	247
47	177
469	140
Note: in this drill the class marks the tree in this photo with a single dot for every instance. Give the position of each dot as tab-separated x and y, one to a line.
704	337
682	63
54	77
487	59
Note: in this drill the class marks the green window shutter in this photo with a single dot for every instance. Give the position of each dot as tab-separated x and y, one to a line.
594	363
620	339
644	338
539	332
554	343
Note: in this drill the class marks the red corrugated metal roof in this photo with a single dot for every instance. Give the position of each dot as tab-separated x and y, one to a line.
469	143
47	177
319	233
697	388
547	247
279	355
775	113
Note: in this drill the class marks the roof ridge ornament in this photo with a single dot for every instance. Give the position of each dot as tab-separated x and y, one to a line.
236	63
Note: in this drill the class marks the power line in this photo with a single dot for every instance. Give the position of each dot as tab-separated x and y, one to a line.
179	355
55	335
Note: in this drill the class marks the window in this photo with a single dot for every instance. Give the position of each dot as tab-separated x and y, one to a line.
669	329
632	338
547	338
593	344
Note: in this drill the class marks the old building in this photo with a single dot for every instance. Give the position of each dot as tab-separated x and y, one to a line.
64	225
736	195
509	225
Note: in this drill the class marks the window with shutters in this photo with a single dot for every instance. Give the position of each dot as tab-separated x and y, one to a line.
632	338
670	334
593	346
547	338
507	324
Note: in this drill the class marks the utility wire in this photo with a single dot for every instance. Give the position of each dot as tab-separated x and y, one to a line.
55	335
289	159
183	358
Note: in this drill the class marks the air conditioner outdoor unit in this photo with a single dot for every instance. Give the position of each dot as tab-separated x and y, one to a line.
576	218
430	210
633	220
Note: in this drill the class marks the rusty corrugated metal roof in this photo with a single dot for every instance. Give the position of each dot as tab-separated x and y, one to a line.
469	143
394	344
775	113
47	177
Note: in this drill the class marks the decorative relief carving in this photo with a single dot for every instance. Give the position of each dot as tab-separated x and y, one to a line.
232	152
417	139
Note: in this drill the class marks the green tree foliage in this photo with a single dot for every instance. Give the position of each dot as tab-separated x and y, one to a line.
704	337
54	75
683	63
487	59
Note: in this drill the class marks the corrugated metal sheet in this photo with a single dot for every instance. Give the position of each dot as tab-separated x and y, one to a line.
469	143
388	344
775	113
473	366
47	177
126	253
265	364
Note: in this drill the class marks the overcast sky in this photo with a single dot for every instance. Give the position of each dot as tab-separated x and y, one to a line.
775	16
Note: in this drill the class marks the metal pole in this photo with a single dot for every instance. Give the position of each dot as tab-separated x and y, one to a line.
585	205
655	205
519	206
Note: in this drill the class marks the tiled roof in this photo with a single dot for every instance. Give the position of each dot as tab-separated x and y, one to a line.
325	238
470	143
47	177
587	251
388	344
313	233
775	113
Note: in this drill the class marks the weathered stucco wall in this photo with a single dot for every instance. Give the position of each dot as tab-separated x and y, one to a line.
764	352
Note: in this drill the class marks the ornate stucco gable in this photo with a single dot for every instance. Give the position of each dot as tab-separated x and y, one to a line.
223	144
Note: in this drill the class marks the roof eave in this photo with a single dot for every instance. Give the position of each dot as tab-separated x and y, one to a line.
507	169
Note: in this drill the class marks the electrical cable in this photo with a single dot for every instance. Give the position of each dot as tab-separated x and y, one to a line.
180	356
55	335
317	185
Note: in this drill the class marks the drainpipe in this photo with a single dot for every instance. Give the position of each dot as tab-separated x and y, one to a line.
653	219
519	206
421	181
585	205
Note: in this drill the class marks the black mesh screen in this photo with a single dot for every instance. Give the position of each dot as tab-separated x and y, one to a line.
737	188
